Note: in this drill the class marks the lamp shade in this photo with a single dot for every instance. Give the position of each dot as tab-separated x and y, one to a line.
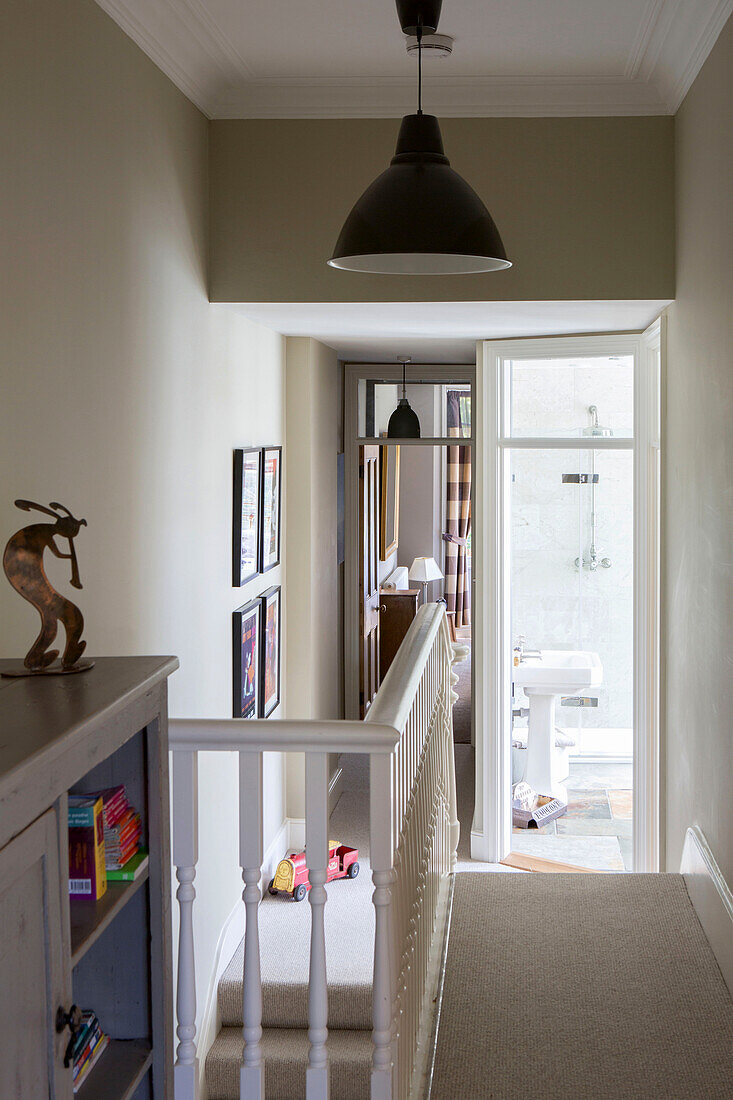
419	217
424	570
404	422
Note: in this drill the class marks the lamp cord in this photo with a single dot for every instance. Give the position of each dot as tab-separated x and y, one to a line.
419	67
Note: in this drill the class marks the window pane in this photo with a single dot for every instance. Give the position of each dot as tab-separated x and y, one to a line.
378	399
572	397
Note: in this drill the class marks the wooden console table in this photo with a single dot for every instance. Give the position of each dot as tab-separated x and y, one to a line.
80	733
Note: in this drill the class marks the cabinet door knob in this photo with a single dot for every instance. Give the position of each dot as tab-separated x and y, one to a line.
383	608
72	1020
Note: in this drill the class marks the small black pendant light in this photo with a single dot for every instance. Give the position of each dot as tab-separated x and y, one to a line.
403	423
419	217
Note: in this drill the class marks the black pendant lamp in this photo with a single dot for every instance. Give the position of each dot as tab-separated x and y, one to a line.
403	423
419	217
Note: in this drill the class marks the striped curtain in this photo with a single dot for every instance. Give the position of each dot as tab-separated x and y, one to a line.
458	513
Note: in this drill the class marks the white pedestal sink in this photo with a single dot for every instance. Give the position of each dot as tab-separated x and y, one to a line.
554	672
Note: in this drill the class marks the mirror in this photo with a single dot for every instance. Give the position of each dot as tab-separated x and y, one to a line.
390	494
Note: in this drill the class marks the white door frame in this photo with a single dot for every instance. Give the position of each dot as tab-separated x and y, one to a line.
389	372
491	833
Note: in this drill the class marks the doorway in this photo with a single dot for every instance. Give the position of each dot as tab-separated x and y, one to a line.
408	515
570	605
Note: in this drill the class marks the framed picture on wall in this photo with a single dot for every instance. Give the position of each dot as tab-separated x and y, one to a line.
246	660
246	515
271	494
270	657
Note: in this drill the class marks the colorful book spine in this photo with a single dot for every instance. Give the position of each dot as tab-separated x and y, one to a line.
90	1044
91	1062
115	805
131	870
87	863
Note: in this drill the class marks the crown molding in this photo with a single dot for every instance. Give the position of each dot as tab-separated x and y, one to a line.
448	98
675	38
180	36
695	51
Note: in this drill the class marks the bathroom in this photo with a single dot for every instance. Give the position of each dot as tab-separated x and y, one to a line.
572	590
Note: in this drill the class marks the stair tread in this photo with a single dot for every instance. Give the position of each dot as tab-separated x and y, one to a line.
285	927
285	1052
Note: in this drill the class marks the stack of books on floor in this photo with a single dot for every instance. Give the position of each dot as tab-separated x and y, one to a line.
125	859
90	1044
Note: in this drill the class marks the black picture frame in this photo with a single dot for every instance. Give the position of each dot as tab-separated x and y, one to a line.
271	644
246	660
271	508
246	515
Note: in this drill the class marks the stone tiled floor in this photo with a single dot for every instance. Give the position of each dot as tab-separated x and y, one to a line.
596	831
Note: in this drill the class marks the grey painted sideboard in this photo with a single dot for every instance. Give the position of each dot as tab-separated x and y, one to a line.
82	733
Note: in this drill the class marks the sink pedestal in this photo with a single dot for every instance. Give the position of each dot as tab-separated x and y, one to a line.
542	772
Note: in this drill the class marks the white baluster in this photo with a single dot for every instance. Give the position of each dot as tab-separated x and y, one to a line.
316	840
382	853
185	857
252	1072
458	654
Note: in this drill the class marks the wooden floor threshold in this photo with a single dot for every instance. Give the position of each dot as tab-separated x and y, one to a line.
521	862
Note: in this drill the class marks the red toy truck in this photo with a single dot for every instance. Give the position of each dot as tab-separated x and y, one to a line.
291	876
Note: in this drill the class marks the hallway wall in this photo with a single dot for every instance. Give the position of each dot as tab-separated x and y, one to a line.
563	192
314	633
123	390
698	504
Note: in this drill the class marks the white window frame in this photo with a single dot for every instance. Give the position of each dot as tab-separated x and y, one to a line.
491	833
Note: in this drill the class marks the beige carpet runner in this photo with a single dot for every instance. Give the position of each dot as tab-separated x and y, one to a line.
566	987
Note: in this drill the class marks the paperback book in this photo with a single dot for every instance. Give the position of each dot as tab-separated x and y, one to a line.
87	862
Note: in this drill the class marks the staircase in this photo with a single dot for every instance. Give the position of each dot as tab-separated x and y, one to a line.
284	947
332	997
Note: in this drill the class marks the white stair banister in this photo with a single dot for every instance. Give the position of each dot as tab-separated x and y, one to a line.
252	1073
185	858
408	737
316	842
382	855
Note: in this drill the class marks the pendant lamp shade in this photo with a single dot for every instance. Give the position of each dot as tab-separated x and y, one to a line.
419	217
403	423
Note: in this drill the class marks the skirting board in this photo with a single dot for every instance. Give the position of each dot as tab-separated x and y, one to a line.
711	898
229	940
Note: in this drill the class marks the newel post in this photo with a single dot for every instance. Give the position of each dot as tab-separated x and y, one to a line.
252	1072
185	858
381	796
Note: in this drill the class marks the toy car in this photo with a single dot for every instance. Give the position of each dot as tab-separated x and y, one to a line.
291	876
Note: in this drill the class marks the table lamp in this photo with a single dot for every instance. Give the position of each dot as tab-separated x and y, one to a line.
425	570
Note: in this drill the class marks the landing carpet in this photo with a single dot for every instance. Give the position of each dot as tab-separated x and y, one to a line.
598	986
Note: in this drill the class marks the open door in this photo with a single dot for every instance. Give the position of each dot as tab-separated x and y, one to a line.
368	577
568	600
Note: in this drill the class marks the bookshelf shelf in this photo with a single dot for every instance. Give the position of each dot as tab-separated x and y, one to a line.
119	1071
65	737
88	918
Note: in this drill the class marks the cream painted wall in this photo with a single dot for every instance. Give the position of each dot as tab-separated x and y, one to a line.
123	389
698	563
313	640
585	207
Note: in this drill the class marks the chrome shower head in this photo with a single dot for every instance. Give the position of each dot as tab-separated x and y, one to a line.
595	429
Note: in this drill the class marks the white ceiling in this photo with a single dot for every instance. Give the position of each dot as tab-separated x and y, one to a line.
442	332
346	58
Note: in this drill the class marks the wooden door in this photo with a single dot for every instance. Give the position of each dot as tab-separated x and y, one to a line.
368	577
31	968
396	612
